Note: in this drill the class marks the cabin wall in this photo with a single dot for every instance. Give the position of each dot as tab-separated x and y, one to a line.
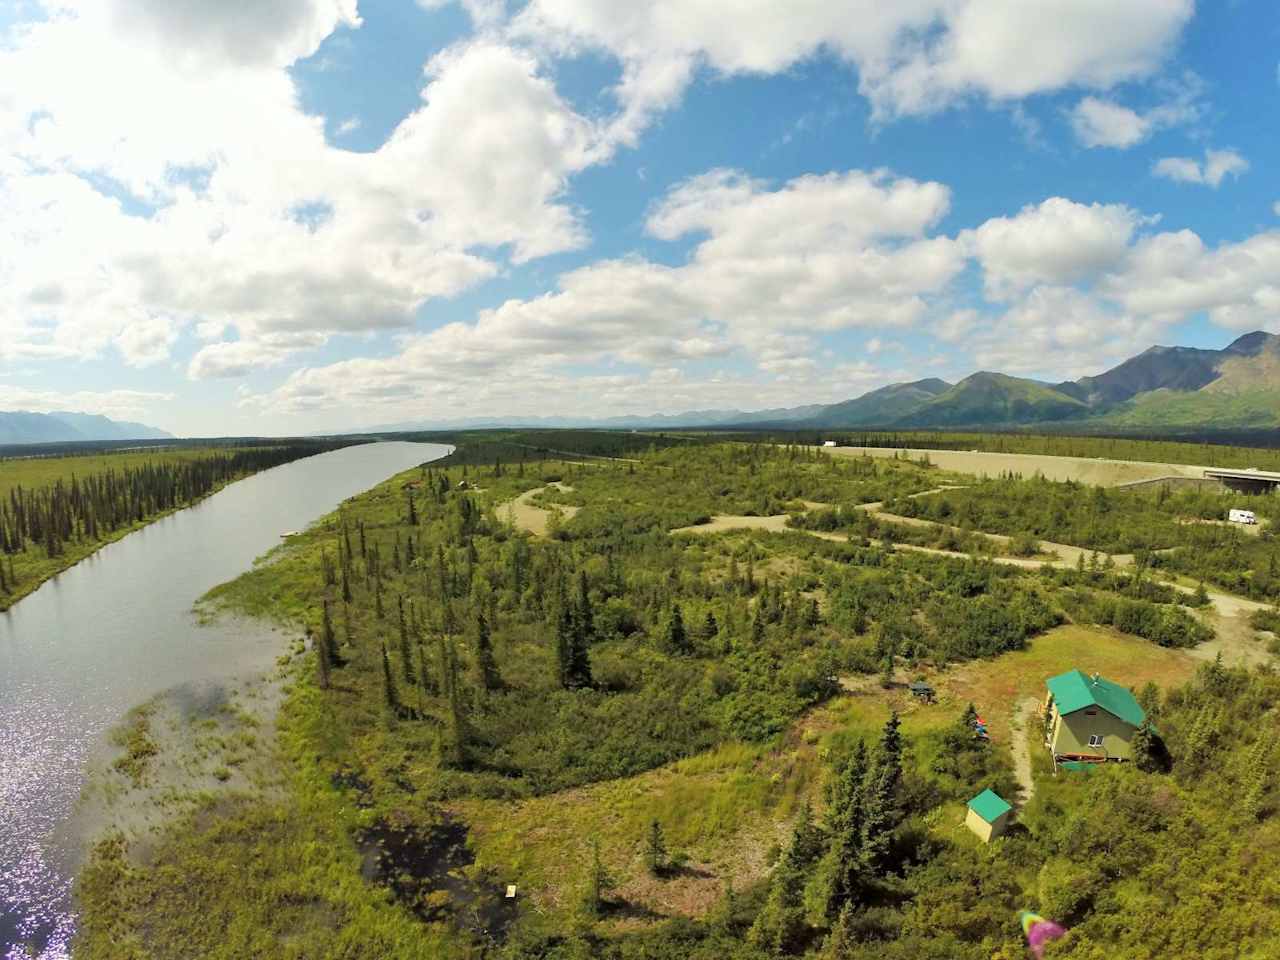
1071	735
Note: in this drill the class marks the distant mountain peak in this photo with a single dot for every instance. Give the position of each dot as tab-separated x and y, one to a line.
24	427
1252	344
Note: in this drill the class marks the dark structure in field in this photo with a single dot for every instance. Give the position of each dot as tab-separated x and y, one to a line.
1245	481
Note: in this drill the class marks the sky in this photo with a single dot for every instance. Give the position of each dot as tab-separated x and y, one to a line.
290	216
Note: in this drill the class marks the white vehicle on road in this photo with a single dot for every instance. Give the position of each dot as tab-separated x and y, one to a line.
1242	516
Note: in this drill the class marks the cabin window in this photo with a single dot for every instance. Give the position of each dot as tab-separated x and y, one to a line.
1095	740
1091	713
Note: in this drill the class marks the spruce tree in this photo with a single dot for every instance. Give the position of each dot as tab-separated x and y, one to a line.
882	813
598	885
390	694
780	927
656	849
675	639
489	675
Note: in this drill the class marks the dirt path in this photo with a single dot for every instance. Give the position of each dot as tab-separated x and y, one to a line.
1023	717
524	515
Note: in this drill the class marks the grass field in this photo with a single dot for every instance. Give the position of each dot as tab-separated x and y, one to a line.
727	808
41	471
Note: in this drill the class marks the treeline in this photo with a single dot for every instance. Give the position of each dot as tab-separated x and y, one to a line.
80	511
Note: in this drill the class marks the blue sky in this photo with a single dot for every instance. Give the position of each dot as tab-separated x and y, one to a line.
302	215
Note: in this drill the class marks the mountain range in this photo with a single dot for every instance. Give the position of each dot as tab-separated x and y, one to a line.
1235	388
21	427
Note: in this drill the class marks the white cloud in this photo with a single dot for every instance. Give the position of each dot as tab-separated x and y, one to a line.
774	267
190	109
1217	165
1057	241
914	56
1173	275
1101	123
119	404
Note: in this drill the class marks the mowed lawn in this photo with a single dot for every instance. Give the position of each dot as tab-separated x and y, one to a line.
727	808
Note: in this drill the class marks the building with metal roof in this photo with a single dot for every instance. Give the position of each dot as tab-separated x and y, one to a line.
989	815
1090	718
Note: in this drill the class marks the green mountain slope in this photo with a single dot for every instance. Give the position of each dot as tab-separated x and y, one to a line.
994	398
886	405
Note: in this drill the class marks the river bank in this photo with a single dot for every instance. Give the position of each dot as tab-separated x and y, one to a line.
116	631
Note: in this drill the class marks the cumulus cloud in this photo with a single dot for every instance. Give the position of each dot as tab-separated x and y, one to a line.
915	56
773	267
1100	121
167	192
120	404
1217	165
1057	241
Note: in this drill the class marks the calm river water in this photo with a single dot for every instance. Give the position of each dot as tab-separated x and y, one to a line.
115	630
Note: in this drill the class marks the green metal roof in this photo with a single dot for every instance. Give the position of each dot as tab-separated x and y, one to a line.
1074	691
989	805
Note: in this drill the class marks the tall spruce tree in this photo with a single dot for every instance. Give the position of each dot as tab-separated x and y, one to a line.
489	676
655	853
390	695
675	639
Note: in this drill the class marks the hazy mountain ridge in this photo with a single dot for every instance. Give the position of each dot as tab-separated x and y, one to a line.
22	426
1238	386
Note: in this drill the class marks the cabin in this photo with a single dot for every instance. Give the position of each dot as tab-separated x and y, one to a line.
989	815
922	691
1089	718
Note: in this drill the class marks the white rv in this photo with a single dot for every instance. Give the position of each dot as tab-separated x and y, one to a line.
1242	516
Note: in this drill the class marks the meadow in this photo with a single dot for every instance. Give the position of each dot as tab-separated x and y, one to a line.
698	744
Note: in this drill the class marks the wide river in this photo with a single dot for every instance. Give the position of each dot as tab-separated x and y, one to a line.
115	630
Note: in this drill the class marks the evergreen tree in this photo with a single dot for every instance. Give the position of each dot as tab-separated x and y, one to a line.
882	813
656	849
1146	752
780	927
598	885
1257	776
845	812
709	630
675	640
390	694
322	660
489	675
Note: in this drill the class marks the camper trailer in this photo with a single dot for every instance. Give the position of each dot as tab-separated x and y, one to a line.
1242	516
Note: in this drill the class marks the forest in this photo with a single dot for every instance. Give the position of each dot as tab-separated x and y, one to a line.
464	678
54	511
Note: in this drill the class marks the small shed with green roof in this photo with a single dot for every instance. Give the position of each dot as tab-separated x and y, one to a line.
989	815
1089	718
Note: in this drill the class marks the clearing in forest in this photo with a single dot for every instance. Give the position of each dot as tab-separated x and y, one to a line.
1095	471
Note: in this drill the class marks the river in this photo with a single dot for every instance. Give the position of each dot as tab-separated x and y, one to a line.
117	629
